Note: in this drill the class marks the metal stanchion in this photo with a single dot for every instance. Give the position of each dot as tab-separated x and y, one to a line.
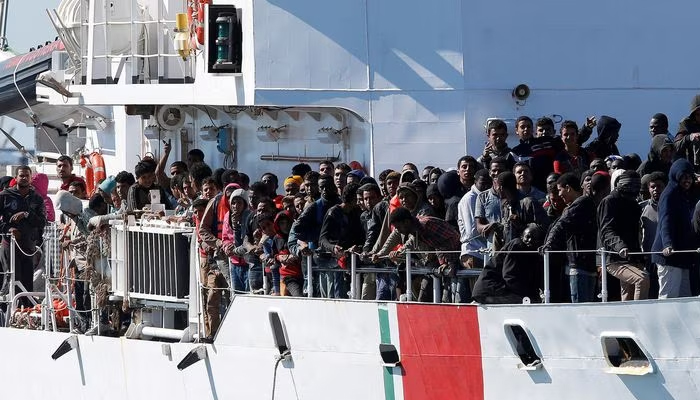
437	289
409	281
603	277
310	278
47	310
353	276
547	278
69	296
13	267
199	300
127	261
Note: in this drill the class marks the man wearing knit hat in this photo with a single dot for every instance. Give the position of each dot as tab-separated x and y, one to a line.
355	176
619	217
687	139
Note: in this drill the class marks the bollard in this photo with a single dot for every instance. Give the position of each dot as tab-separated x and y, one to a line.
547	290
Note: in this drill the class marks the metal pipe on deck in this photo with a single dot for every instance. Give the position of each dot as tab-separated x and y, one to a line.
273	157
149	332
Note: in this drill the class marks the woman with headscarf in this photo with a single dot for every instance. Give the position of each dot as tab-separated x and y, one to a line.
41	185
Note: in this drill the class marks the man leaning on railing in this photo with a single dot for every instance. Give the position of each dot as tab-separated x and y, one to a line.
425	233
619	217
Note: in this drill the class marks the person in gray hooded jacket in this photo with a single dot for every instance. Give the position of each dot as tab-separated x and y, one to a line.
687	139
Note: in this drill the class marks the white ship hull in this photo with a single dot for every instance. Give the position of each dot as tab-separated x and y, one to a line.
447	352
390	80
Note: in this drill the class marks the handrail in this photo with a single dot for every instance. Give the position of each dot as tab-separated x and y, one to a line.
357	269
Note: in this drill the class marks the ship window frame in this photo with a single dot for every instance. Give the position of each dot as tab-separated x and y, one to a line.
534	360
390	355
634	347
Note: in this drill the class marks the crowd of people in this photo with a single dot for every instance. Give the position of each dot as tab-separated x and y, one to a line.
501	213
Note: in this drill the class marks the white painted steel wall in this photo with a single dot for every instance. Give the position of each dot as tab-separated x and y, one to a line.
334	347
567	337
426	76
433	74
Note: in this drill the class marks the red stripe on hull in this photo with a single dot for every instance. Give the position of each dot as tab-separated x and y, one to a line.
442	363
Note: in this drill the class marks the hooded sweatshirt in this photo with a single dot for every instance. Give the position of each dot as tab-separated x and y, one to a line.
235	230
290	266
452	191
654	162
686	148
41	185
510	273
608	129
432	190
619	219
675	220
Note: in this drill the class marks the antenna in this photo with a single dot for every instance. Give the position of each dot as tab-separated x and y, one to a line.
3	25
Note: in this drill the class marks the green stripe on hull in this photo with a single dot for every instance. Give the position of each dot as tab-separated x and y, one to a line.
385	337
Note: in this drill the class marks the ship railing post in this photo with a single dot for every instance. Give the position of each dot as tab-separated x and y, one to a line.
11	289
310	276
547	278
437	289
353	276
266	282
69	296
127	259
409	281
603	276
200	292
47	309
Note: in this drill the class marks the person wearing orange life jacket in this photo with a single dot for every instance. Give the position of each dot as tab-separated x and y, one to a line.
211	228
